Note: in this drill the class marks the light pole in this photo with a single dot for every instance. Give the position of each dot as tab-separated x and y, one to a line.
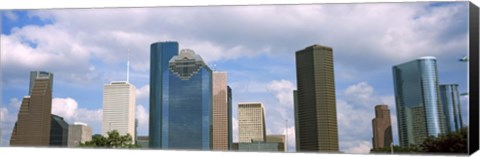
391	147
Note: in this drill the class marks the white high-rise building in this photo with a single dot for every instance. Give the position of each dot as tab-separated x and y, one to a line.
251	122
119	108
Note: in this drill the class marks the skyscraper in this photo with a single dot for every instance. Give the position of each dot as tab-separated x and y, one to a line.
419	110
382	127
251	122
316	104
220	112
58	132
450	99
79	133
34	117
119	108
181	101
160	54
230	107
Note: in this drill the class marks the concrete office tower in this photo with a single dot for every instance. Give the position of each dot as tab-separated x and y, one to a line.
160	54
450	99
382	127
79	133
119	108
419	111
251	122
316	105
34	117
220	112
58	132
280	139
181	102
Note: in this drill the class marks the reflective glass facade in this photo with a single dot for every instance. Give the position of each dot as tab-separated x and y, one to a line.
182	99
451	106
160	54
419	109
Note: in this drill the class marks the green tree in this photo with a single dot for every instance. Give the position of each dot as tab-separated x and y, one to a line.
397	150
453	142
113	140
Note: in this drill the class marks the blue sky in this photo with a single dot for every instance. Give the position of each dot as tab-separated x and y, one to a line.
255	45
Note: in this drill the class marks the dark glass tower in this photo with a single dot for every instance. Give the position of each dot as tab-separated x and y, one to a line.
316	105
160	54
181	100
58	132
419	109
34	117
450	99
229	103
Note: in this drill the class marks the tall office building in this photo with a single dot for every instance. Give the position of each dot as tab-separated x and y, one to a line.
58	132
119	108
34	117
79	133
160	55
251	122
316	104
450	99
382	127
180	99
419	110
220	112
230	120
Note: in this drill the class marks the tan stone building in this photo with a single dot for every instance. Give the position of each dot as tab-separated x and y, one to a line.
119	108
382	127
251	122
220	112
34	117
316	104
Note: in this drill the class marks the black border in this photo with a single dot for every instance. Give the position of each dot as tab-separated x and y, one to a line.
473	79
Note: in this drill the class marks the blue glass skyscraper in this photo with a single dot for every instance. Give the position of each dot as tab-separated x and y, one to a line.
419	110
451	106
160	54
180	99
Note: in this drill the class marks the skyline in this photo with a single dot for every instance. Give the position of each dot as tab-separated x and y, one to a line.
264	72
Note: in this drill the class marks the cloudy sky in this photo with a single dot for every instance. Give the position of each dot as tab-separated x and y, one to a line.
255	45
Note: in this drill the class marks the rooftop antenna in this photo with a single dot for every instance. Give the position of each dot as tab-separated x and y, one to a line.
128	65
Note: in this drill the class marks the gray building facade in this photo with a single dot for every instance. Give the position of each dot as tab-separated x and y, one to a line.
79	133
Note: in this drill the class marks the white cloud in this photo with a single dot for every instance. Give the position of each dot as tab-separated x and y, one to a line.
69	110
234	129
283	91
143	92
10	15
142	117
362	147
3	114
290	138
355	111
15	103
